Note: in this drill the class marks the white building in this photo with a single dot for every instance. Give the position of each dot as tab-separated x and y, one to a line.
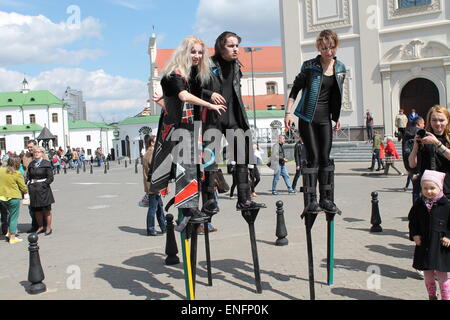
23	114
76	106
396	52
92	135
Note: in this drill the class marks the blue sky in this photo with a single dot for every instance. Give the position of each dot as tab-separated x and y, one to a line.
100	46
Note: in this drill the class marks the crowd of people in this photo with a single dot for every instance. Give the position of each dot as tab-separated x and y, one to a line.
27	179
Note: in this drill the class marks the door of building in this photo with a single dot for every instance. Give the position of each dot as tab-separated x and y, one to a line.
420	94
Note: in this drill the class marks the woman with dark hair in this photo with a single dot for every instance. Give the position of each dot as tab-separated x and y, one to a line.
12	188
182	78
39	178
321	81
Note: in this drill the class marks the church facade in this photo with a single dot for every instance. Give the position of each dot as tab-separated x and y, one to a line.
396	52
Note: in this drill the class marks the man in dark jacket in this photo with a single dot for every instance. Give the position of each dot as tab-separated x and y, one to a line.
225	89
281	169
300	160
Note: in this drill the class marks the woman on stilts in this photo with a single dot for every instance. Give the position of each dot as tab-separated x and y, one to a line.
321	81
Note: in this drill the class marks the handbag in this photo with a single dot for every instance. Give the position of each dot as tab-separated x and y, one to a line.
26	200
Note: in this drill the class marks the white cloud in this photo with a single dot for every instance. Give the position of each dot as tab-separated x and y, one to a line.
256	21
107	96
36	39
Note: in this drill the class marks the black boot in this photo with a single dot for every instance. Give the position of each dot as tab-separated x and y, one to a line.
326	187
243	190
210	206
309	188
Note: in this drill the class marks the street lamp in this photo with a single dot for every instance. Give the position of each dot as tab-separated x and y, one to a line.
251	50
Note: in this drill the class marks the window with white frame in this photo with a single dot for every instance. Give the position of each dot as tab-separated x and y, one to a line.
8	119
88	138
32	118
272	87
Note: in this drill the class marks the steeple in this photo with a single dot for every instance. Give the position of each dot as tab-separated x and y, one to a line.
25	88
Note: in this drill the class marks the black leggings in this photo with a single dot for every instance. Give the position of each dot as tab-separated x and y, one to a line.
317	138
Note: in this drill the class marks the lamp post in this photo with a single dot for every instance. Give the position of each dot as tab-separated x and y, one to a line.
251	50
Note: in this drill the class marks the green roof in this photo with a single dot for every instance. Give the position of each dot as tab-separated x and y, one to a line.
260	114
84	124
266	114
140	120
32	98
20	128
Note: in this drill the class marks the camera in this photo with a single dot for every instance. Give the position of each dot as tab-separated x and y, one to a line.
421	133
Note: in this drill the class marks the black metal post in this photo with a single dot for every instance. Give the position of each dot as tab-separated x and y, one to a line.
194	241
281	231
208	252
35	272
375	218
171	243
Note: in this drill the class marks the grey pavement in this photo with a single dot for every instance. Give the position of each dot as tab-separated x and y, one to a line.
99	235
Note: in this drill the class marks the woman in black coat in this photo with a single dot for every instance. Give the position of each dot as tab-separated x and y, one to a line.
39	178
429	228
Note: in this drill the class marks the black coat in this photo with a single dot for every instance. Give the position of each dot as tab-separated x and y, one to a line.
431	226
300	154
40	192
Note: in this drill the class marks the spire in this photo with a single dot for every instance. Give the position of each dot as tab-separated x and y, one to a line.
25	88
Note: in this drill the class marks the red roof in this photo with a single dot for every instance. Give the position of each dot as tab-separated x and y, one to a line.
264	100
269	59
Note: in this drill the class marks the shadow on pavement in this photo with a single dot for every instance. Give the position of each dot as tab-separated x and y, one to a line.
403	251
386	270
385	232
360	294
141	232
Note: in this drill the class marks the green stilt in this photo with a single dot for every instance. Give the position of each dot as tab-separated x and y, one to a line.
330	249
189	283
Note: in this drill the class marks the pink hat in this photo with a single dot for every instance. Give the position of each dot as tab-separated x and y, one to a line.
434	176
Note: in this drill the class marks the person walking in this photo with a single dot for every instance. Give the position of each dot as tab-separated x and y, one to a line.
300	160
253	170
391	154
377	149
12	189
412	116
39	178
155	203
401	122
281	168
429	228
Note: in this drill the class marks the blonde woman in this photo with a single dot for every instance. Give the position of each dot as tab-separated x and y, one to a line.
39	178
182	79
12	187
432	151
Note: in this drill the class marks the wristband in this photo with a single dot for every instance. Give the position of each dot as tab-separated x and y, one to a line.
439	145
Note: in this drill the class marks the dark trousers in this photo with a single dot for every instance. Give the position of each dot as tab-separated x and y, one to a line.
4	219
298	173
255	177
317	139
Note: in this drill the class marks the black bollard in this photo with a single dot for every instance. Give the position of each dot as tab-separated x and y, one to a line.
135	166
35	272
65	169
91	170
375	218
281	231
105	170
171	243
250	217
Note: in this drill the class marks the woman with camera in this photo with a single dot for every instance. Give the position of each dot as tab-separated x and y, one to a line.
431	148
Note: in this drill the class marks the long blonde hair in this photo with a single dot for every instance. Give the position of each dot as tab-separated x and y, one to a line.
181	61
439	109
